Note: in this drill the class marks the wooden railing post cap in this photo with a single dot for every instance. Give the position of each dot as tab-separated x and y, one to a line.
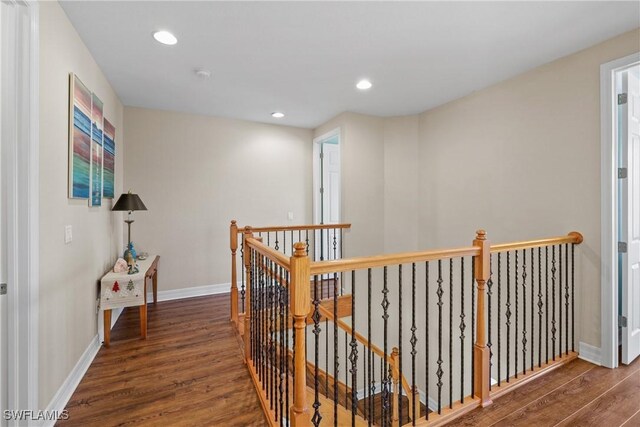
481	235
577	237
247	229
234	222
301	249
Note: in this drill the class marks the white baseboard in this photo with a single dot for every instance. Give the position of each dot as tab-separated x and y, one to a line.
197	291
64	393
590	353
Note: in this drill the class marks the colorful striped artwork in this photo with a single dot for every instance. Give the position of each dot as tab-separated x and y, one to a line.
96	151
109	160
79	139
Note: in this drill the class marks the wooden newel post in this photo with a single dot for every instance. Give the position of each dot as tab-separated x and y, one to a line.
482	356
395	375
233	234
247	299
300	308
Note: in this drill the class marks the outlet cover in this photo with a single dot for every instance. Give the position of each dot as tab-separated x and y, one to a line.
68	234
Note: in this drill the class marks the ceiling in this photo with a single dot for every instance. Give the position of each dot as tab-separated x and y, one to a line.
304	58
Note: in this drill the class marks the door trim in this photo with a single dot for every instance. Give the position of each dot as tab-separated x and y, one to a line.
609	212
23	217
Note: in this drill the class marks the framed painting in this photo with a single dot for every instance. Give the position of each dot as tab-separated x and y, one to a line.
109	160
79	139
96	151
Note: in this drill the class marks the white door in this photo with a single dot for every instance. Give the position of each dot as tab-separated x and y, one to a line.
629	115
327	194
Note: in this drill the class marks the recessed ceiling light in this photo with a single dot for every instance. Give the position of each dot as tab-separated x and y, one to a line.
165	37
277	115
364	84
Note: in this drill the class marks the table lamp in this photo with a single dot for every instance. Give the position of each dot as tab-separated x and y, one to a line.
129	202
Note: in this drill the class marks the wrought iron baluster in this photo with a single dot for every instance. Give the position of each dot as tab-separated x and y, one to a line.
553	302
524	312
573	308
284	241
508	312
384	371
489	294
515	331
306	243
546	302
532	315
450	333
426	327
499	318
277	246
286	340
353	356
335	245
272	348
540	305
316	332
281	320
369	355
399	359
462	328
413	341
439	372
560	301
473	322
336	363
566	298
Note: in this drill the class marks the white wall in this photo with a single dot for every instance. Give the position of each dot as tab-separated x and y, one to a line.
69	273
197	173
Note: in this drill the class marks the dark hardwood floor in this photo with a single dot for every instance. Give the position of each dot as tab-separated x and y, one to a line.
188	372
577	394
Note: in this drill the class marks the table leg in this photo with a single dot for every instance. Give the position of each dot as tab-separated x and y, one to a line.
155	286
143	321
107	327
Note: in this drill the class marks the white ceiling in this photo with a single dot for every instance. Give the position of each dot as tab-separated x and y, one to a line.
304	58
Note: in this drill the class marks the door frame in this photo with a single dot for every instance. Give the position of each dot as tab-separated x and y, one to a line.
609	211
22	180
316	170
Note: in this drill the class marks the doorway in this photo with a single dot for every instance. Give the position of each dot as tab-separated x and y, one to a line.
327	192
620	246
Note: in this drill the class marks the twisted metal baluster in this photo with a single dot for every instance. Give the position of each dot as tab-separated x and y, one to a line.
353	356
426	340
508	312
524	312
553	302
462	328
540	305
498	318
566	298
413	342
439	372
316	331
384	373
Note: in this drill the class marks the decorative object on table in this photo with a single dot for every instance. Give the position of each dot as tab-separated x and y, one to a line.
129	202
131	262
120	266
96	151
142	256
79	139
109	161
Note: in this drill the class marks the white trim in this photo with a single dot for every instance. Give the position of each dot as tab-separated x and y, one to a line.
64	393
590	353
197	291
23	238
609	213
316	169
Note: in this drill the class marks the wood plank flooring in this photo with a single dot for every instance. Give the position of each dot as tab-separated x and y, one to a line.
189	371
577	394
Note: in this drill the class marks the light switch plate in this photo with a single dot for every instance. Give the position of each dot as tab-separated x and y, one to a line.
68	234
290	216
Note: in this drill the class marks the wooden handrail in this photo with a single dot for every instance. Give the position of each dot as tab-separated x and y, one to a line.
278	257
348	264
573	237
273	228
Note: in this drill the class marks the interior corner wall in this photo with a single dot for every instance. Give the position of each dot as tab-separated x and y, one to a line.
196	173
522	160
363	185
69	273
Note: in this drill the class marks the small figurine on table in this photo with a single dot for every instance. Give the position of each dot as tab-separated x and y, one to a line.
131	262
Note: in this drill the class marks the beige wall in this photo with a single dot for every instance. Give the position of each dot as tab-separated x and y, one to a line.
196	173
69	273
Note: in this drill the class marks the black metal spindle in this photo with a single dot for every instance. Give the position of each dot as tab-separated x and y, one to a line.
316	332
540	305
499	319
439	372
353	356
573	308
384	372
524	312
450	366
553	302
566	299
400	338
286	340
371	372
532	315
489	295
281	320
426	340
546	302
515	331
462	328
473	321
508	313
336	363
413	341
560	301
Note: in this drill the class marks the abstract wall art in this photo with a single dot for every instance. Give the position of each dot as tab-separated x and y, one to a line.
109	160
96	151
79	139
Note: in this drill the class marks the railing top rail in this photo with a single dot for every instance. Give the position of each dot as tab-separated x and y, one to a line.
348	264
573	237
275	256
296	227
